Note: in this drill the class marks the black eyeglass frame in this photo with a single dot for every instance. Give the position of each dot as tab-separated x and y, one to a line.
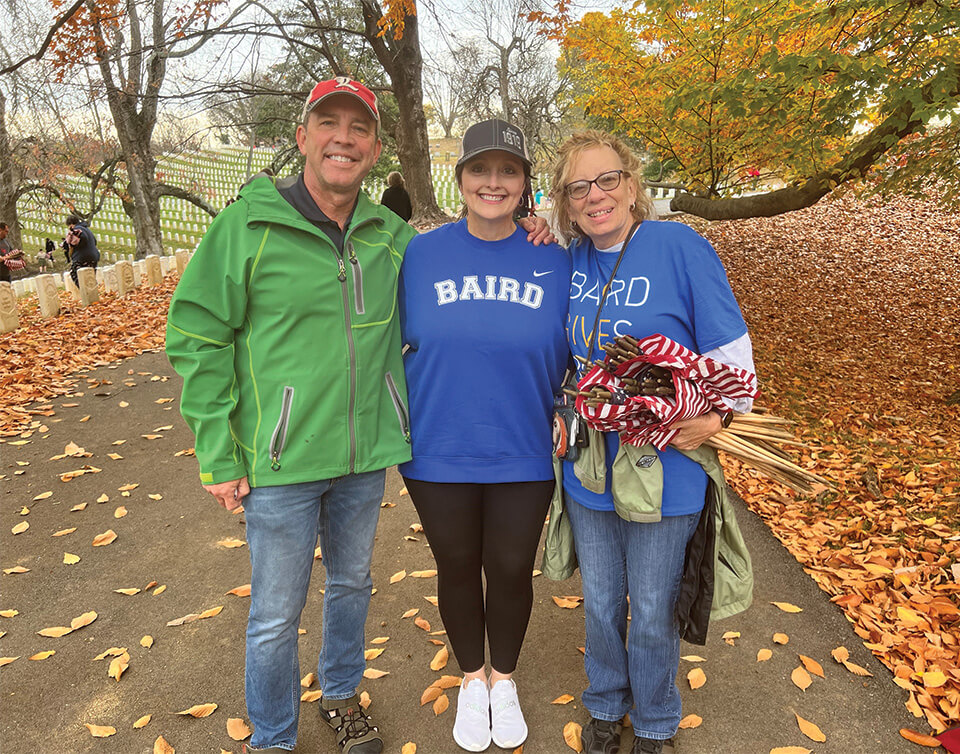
619	173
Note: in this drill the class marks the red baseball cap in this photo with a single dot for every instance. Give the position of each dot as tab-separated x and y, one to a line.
341	85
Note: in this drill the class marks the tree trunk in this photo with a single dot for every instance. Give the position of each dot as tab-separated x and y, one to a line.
402	61
8	179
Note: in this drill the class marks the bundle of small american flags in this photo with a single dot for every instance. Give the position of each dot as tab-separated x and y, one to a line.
643	386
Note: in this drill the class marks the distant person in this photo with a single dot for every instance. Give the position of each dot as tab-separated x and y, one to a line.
65	247
538	198
395	197
10	258
44	259
49	247
83	246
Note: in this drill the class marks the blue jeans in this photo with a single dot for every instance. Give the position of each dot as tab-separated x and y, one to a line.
283	524
633	673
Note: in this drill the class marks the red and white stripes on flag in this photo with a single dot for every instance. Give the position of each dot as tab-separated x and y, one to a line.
640	419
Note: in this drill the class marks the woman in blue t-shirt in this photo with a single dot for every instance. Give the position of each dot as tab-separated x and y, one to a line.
654	277
482	312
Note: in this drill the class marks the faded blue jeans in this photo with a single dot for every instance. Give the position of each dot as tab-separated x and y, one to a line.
633	673
283	524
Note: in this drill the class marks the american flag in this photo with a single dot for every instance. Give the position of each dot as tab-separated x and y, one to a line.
640	419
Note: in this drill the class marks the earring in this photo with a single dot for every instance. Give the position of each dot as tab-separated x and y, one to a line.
633	206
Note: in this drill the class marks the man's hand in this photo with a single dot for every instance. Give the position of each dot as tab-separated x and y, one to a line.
694	432
538	232
229	494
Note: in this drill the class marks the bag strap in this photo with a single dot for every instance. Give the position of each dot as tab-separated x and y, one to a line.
606	288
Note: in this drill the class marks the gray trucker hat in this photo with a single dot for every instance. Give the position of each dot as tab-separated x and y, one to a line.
488	135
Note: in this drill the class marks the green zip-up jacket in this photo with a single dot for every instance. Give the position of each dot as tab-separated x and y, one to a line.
290	353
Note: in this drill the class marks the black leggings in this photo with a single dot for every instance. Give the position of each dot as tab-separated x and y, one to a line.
496	528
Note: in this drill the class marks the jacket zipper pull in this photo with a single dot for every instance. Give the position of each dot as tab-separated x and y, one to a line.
353	255
342	275
275	462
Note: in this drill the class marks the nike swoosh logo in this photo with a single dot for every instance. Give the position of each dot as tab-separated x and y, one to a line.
541	274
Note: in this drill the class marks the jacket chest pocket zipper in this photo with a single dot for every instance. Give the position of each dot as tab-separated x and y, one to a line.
279	438
398	406
357	279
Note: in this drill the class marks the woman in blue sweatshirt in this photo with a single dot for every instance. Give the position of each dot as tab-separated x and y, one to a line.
482	312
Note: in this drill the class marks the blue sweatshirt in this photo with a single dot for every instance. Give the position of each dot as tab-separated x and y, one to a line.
485	324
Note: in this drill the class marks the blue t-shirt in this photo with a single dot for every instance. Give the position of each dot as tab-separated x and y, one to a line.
485	324
670	281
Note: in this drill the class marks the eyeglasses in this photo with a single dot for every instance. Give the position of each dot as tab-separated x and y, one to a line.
605	182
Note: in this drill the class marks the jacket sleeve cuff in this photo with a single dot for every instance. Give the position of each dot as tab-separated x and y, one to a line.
223	474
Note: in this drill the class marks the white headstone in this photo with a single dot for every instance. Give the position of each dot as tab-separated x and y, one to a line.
110	279
126	280
47	296
9	319
182	258
152	270
70	286
89	292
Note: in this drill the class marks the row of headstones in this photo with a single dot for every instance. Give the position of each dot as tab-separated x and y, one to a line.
120	278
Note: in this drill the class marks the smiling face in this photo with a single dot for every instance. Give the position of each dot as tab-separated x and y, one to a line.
492	185
603	215
341	145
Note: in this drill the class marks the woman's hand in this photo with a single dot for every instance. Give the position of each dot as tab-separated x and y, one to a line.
696	431
538	232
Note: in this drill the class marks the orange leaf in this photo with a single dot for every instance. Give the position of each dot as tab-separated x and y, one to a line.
43	655
104	539
231	542
118	666
563	699
56	632
241	591
142	721
64	532
411	612
440	705
691	721
15	570
422	622
763	655
810	730
310	696
365	700
801	678
919	738
70	559
431	693
696	678
447	681
100	731
199	710
812	665
146	642
409	748
372	654
787	607
160	746
372	673
781	638
398	576
428	574
571	734
237	729
213	611
83	620
439	661
129	591
21	527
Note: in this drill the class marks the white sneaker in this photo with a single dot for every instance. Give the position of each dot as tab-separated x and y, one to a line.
509	727
471	730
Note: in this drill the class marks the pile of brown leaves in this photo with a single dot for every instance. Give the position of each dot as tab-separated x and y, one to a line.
37	359
853	310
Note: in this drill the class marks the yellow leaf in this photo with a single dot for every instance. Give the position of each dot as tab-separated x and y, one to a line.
565	602
44	495
199	710
64	532
563	699
398	576
308	680
112	652
691	721
142	721
693	658
365	700
380	640
83	620
100	731
21	527
934	679
696	678
787	607
433	601
9	613
130	591
55	632
231	542
78	507
104	498
801	678
440	705
160	746
241	591
790	750
763	655
160	590
571	734
810	730
120	512
428	574
409	748
310	696
104	539
43	655
422	623
730	635
781	638
439	661
24	511
372	673
372	654
123	404
128	487
115	456
16	569
160	497
118	665
213	611
146	641
237	729
812	665
411	612
7	660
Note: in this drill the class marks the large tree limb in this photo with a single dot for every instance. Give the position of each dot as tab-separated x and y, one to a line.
902	122
166	189
62	19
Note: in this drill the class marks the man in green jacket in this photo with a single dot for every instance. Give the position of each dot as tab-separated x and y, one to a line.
284	328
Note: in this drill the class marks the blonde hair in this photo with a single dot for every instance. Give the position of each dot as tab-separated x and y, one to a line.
568	153
394	179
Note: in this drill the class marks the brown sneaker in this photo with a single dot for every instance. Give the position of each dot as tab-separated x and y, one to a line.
356	734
